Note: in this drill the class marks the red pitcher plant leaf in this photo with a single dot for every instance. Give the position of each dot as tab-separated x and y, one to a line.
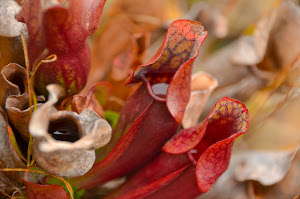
153	112
62	31
36	186
193	159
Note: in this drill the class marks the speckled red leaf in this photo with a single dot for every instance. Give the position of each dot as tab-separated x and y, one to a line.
208	156
186	139
35	187
232	117
172	64
63	31
146	120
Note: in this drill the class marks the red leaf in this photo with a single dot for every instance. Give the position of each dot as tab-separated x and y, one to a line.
186	139
141	142
228	120
36	190
203	164
63	31
174	62
146	121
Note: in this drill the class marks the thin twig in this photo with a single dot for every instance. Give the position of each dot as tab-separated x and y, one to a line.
29	94
3	193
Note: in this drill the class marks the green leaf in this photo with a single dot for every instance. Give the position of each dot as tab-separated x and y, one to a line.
14	143
112	118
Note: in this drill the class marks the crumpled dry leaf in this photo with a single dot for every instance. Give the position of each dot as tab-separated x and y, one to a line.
9	181
252	173
275	127
235	80
19	112
247	64
78	103
128	22
149	16
251	49
267	167
9	26
64	142
212	19
13	82
275	40
203	84
283	45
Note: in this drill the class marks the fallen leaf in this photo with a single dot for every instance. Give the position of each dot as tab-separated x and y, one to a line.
203	85
211	18
267	167
276	172
127	22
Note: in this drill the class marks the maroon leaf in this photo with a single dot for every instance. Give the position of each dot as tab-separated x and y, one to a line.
201	154
63	31
36	188
152	114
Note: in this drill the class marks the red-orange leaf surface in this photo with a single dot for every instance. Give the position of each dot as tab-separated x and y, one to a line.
193	159
62	31
153	112
36	188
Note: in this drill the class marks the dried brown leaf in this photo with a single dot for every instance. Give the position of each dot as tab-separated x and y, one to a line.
12	81
9	181
203	85
267	167
19	113
128	21
277	169
64	142
212	18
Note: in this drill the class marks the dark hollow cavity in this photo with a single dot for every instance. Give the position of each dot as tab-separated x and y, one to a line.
64	129
17	80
